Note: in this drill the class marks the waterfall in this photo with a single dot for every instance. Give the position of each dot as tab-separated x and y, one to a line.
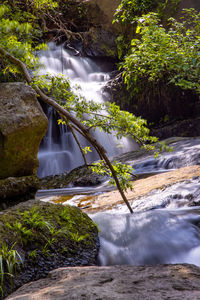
59	152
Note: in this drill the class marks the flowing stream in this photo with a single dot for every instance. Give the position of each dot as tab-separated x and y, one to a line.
164	228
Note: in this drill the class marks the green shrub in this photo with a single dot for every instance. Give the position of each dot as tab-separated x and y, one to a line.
169	56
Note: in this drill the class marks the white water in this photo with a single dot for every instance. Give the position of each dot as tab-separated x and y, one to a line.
59	152
164	228
153	237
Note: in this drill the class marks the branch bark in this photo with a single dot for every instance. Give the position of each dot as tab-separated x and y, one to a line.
100	149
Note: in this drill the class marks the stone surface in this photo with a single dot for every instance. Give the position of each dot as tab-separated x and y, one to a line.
100	38
80	176
189	127
46	236
175	282
142	187
158	110
14	189
22	127
101	12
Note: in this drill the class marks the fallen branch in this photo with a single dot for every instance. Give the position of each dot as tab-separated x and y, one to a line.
84	130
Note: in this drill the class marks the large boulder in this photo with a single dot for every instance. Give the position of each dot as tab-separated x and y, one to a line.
116	282
101	36
46	236
22	127
103	12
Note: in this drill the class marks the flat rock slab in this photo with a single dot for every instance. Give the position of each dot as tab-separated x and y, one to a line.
142	187
115	282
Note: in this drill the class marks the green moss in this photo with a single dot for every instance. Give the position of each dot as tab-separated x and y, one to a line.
42	222
47	230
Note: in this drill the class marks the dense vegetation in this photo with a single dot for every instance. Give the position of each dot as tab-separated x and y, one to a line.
160	63
161	55
129	9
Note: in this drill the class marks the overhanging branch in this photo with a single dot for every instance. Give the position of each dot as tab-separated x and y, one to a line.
48	100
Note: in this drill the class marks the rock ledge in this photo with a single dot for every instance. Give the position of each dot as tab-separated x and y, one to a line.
116	282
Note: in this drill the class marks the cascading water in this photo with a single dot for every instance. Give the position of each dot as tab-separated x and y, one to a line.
164	229
59	152
149	238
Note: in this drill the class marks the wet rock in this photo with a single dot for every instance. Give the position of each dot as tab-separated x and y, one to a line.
22	127
144	189
81	176
166	117
189	127
16	189
46	236
116	282
101	12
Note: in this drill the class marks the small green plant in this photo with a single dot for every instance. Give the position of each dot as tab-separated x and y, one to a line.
45	250
33	219
9	260
24	234
77	237
33	254
64	214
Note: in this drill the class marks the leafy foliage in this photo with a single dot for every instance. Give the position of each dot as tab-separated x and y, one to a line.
125	173
105	116
9	260
170	55
129	9
16	36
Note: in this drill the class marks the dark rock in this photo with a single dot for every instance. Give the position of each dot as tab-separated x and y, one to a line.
99	39
176	113
80	176
16	189
189	127
101	43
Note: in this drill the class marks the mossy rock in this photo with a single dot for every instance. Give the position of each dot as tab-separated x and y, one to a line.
17	189
45	236
22	127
